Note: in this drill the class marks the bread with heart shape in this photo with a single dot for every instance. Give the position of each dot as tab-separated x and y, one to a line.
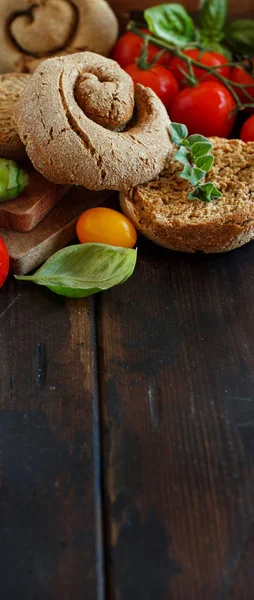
32	31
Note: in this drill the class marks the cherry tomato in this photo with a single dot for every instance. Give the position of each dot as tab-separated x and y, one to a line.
210	59
247	131
106	226
239	75
129	46
4	262
205	109
159	79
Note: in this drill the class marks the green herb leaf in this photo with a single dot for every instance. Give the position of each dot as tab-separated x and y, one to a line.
201	149
216	47
85	269
212	18
196	139
171	23
178	133
194	153
205	192
183	155
205	162
240	36
13	180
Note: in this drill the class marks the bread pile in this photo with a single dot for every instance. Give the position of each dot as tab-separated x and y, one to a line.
81	122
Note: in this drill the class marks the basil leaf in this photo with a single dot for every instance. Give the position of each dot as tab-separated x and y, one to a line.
240	36
205	192
85	269
205	162
212	18
216	47
171	23
178	133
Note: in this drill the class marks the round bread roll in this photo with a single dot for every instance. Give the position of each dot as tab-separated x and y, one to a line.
32	31
161	211
82	125
11	87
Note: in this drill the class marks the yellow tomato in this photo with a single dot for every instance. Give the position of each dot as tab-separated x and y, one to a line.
106	226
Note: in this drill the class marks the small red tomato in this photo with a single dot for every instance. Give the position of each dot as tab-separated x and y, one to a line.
158	78
205	109
129	47
210	59
4	262
247	131
239	75
106	226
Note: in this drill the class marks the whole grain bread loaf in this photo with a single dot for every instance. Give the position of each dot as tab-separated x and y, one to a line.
12	86
162	212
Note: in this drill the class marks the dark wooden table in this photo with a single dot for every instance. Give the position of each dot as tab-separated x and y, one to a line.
127	435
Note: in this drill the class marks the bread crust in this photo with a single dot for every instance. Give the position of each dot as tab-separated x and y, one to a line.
33	31
12	86
162	212
70	147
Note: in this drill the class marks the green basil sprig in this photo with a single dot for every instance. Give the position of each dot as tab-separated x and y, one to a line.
85	269
13	180
212	19
194	153
171	23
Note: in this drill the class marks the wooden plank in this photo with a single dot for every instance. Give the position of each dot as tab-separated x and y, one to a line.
176	379
29	250
49	448
26	211
235	8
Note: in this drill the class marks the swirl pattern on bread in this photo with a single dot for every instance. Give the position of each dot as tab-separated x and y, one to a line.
31	32
82	124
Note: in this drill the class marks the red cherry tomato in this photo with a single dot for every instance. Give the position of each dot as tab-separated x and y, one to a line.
4	262
106	226
205	109
247	131
158	78
129	46
210	59
239	75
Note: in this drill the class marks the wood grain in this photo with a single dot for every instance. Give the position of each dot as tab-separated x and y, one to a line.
58	228
26	211
176	381
235	8
51	544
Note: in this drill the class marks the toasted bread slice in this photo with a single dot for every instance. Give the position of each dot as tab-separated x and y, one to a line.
162	212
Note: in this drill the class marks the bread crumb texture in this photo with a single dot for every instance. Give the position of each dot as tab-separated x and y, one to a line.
162	211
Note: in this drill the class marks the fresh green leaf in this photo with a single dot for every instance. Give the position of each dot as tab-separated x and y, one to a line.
183	155
186	172
85	269
13	180
205	192
201	149
178	133
196	139
171	23
205	162
196	175
212	18
240	36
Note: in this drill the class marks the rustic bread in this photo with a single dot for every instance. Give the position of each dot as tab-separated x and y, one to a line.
71	119
33	31
12	86
162	212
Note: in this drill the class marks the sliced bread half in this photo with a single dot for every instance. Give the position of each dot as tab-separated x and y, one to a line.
162	212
